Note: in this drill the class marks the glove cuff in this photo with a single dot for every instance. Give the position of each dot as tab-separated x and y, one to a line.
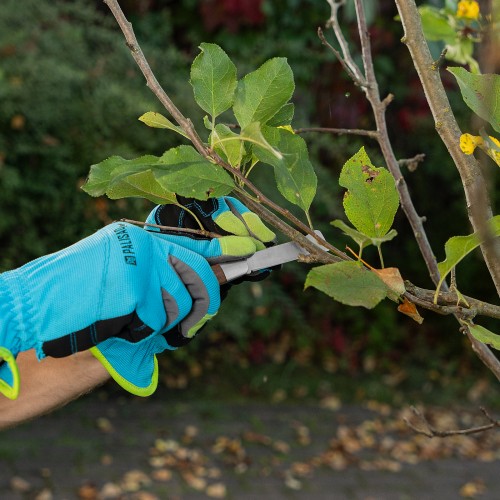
10	336
11	312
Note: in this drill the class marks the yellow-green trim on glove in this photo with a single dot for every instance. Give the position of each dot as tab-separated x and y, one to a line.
123	382
10	391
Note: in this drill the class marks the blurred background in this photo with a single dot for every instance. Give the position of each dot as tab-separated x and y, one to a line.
70	97
283	382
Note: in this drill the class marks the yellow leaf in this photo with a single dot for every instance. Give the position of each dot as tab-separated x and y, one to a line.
468	143
468	9
494	154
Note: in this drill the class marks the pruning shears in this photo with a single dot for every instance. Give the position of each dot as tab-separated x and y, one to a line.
261	260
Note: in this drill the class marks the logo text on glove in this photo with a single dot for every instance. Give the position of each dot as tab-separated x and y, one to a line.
126	244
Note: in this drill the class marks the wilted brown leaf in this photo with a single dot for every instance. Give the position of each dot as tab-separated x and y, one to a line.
104	424
110	491
195	482
302	433
472	489
281	447
19	485
331	403
134	480
144	495
392	278
410	310
45	494
291	482
216	490
106	459
162	475
88	491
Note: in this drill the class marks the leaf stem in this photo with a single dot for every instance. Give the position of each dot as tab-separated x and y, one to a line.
381	257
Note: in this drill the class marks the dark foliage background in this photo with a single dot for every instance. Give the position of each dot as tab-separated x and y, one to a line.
71	94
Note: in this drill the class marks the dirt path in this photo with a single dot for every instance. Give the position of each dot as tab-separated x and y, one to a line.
176	449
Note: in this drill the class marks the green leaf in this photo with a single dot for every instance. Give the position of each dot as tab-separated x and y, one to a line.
481	93
253	134
436	25
208	124
462	52
349	283
262	93
484	335
458	247
294	172
361	239
227	144
184	171
283	117
157	120
213	77
102	175
371	200
142	184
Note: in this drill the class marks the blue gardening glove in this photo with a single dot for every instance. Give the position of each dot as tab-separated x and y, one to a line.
125	293
243	232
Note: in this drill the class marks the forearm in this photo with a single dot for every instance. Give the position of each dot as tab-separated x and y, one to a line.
49	384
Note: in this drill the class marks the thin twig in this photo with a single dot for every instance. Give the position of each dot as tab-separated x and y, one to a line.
151	80
172	229
439	61
359	81
346	58
339	131
412	163
430	431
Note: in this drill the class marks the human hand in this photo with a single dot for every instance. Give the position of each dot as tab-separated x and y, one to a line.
242	231
125	293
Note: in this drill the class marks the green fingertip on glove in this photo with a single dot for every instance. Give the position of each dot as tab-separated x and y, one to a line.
246	224
236	218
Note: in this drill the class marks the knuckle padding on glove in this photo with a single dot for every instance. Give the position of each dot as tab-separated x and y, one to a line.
177	216
128	327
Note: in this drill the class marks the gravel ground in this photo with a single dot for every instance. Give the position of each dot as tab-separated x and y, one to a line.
167	447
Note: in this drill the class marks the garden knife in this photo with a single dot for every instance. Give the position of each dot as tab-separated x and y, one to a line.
263	259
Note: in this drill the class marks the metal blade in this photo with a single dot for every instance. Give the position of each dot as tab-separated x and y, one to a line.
274	256
264	259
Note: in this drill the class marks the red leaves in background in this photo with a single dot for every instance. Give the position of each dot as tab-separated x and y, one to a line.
231	14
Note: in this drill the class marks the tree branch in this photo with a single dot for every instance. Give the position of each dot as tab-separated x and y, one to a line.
346	60
172	229
355	76
379	107
151	80
431	431
476	193
339	131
